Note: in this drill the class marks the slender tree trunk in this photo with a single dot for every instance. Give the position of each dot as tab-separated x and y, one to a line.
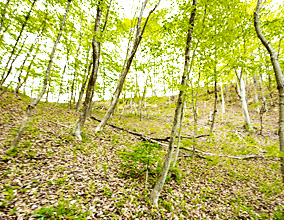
223	100
243	99
84	82
215	105
28	71
93	77
237	89
48	90
179	134
162	177
61	82
17	41
32	105
255	86
138	38
72	100
11	65
25	60
262	91
66	66
279	79
195	113
142	100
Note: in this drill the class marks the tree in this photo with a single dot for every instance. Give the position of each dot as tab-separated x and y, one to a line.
126	67
4	76
32	105
279	78
93	77
163	174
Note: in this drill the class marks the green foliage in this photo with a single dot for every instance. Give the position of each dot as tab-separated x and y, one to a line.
145	154
279	214
64	210
13	152
271	188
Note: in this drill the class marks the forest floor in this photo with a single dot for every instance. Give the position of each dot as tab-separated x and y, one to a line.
51	175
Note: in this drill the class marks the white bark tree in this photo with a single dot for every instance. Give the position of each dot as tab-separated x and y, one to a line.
243	98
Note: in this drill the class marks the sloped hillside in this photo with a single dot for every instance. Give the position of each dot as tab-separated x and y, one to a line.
51	175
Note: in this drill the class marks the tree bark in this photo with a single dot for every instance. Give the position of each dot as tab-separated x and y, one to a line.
243	99
4	77
255	86
223	100
279	79
215	105
61	81
93	77
125	69
84	82
28	70
262	91
72	99
179	135
162	177
17	55
32	105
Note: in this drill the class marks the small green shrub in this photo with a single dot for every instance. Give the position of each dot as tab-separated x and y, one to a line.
137	159
12	152
64	210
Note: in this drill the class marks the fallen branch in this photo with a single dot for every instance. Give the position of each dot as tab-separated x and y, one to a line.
154	140
245	157
166	139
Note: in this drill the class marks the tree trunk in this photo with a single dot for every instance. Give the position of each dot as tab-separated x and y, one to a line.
255	86
61	81
162	177
25	60
11	65
262	92
72	99
179	134
48	90
279	79
143	98
125	70
32	105
28	70
4	77
223	100
84	82
215	106
93	78
243	99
